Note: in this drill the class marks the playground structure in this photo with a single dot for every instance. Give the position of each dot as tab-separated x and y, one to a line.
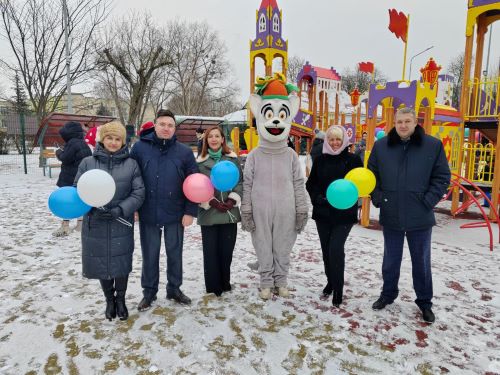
480	105
472	163
317	86
268	46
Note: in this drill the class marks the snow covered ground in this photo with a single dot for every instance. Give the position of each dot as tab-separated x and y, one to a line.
52	319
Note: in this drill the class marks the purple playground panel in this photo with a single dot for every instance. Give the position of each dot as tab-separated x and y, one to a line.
304	119
266	26
478	3
400	95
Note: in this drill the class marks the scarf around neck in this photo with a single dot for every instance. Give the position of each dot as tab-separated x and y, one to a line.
345	141
216	155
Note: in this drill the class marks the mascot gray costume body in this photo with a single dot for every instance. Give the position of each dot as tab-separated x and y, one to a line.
274	206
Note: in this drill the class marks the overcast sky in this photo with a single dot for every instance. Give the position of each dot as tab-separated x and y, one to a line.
329	32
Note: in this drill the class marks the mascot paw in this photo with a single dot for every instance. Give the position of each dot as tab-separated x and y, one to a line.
247	223
300	221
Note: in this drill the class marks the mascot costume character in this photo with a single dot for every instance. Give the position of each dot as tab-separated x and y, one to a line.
274	206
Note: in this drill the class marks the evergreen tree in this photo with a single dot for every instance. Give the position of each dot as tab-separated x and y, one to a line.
103	111
20	99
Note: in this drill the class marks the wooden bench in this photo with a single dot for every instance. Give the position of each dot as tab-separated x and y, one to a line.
48	163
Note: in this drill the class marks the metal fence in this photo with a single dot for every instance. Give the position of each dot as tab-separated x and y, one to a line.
17	147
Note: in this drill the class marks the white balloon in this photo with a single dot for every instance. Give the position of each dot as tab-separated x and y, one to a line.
96	187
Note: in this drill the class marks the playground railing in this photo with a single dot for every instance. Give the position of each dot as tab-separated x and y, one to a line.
484	99
478	162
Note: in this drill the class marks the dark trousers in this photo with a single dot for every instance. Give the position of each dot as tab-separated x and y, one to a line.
150	246
218	245
419	243
332	239
109	286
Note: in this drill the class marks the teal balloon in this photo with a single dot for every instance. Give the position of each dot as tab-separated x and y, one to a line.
67	204
342	194
380	134
466	133
225	175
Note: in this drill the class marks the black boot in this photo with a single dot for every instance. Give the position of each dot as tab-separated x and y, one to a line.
121	308
109	293
327	290
121	289
337	298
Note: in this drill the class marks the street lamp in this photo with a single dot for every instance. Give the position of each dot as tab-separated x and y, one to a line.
411	60
68	56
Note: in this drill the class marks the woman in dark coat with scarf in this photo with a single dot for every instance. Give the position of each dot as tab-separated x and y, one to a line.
108	242
219	216
333	225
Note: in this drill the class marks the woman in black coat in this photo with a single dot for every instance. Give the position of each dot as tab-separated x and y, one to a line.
108	242
333	225
71	154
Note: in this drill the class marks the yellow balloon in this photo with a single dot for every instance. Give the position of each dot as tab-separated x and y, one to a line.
363	179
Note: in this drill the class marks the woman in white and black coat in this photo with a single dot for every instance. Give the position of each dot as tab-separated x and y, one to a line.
107	242
333	225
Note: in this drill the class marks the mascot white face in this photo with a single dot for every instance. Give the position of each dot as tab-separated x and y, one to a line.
274	116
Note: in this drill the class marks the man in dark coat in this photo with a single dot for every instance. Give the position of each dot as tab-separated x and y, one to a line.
165	163
71	154
412	176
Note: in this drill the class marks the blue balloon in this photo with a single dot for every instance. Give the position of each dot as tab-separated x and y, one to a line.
380	134
342	194
225	175
67	204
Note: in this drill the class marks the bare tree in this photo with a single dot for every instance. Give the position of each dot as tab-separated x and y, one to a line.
295	65
355	78
456	70
200	69
135	48
35	32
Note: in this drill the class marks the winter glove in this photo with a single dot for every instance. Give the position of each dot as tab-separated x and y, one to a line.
247	223
116	212
230	203
103	214
218	205
300	221
109	214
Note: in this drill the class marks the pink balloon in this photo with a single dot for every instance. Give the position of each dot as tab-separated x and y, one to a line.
198	188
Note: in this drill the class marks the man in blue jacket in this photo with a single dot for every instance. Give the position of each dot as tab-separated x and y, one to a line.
165	163
412	176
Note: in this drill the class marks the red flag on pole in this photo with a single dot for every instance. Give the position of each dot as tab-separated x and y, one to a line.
366	67
398	24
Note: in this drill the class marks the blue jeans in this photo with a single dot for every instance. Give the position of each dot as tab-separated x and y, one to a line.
419	242
150	246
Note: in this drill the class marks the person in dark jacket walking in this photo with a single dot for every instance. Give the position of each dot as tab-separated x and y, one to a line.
199	140
333	225
219	216
71	154
412	176
165	163
107	241
317	146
